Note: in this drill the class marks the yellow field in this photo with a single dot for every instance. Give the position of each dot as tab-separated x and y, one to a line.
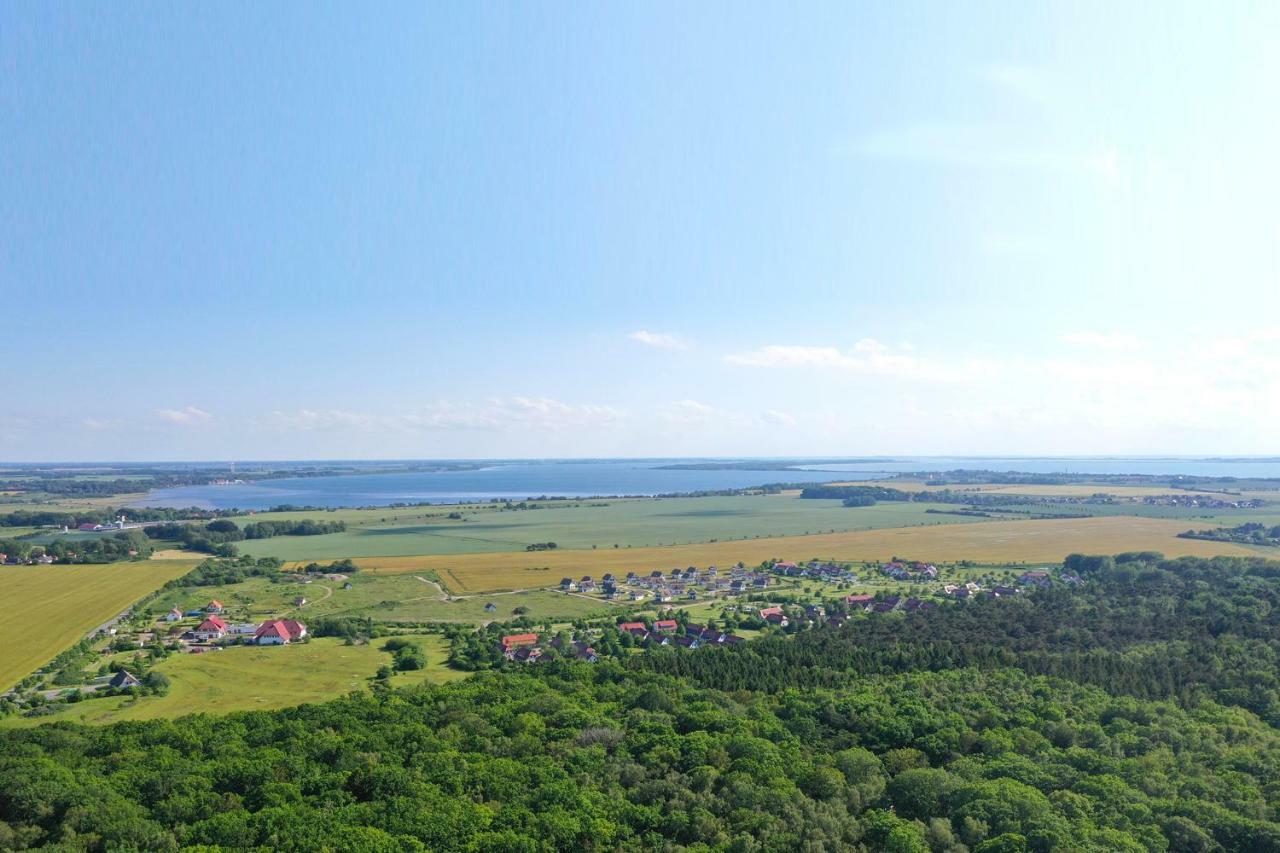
1031	541
44	609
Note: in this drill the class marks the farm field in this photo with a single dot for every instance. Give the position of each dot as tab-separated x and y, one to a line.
1077	490
248	678
44	609
1029	541
603	524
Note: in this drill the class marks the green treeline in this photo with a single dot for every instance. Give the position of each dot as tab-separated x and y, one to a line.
218	536
305	527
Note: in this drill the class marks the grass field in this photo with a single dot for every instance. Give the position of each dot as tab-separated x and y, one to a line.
583	524
44	609
384	597
245	678
1032	541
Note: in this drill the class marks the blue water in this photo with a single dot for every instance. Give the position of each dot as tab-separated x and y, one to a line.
519	480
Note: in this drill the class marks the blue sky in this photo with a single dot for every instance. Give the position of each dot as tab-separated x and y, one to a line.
277	231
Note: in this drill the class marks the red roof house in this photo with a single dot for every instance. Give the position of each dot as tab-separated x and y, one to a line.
278	632
665	625
515	641
212	628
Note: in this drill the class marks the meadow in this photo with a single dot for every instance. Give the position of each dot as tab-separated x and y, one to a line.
1024	541
383	597
246	678
630	523
45	609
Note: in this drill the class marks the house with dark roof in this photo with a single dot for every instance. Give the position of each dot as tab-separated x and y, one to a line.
123	679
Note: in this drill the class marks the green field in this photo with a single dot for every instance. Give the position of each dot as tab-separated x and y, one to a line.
244	678
583	525
386	598
45	609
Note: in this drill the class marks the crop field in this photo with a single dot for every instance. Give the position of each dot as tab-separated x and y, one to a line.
1027	541
584	524
44	609
1063	490
246	678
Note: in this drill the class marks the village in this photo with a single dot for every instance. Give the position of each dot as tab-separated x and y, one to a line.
678	588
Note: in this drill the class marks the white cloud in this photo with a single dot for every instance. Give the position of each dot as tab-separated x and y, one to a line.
773	416
99	424
660	340
1103	340
185	416
691	412
868	357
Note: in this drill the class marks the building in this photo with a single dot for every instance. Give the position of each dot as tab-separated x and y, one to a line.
279	632
212	628
512	642
214	606
173	615
665	626
123	680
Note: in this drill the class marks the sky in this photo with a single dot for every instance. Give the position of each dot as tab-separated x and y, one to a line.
405	230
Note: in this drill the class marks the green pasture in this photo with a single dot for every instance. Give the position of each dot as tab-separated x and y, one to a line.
585	524
244	678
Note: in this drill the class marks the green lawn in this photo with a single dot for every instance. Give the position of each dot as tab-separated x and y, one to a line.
584	524
244	678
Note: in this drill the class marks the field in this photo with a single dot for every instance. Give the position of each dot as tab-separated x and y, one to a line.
44	609
1030	541
1064	490
583	524
384	597
246	678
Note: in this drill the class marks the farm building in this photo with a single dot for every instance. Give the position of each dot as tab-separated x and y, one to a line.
279	632
123	679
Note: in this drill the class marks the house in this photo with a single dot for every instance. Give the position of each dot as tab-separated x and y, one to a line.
583	652
787	568
242	629
689	641
214	606
525	654
44	559
637	596
511	642
631	627
212	628
774	616
568	584
665	626
124	679
299	602
279	632
862	600
173	615
1035	577
490	607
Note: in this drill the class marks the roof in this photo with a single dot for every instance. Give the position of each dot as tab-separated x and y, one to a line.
858	599
770	611
517	639
630	626
664	623
213	623
124	678
215	603
285	629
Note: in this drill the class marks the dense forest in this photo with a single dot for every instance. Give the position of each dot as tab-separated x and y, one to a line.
1134	712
